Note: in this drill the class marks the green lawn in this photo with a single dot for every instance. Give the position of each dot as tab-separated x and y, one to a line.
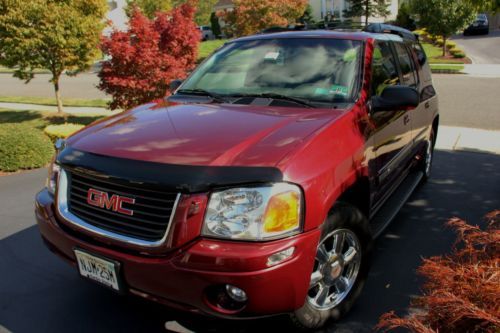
434	54
97	103
23	145
6	70
208	47
456	67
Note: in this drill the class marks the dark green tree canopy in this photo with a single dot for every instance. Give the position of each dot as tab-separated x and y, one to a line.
367	8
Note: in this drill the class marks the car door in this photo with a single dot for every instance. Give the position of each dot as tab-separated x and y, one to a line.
393	132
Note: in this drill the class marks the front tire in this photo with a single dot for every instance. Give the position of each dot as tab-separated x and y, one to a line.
340	269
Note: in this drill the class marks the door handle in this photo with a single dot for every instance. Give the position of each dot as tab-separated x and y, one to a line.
406	119
427	105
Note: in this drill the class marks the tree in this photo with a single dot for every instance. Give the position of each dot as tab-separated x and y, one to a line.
214	22
57	35
404	18
367	8
146	58
307	18
149	7
448	16
204	11
251	16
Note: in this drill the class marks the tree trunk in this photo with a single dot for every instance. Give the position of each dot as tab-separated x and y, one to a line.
444	46
58	94
367	11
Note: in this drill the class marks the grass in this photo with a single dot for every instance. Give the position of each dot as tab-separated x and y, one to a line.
208	47
23	145
453	67
6	70
98	103
434	53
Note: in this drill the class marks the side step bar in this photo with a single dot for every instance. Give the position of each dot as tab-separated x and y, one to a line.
394	204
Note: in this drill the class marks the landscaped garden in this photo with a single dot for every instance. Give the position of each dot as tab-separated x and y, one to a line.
24	144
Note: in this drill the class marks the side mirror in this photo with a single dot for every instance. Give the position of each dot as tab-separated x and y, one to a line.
174	85
396	98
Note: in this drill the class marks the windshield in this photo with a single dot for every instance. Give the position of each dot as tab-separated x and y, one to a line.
313	69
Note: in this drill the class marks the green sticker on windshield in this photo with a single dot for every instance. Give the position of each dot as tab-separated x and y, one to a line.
321	91
339	90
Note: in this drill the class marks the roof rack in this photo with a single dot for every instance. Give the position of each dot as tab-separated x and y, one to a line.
391	29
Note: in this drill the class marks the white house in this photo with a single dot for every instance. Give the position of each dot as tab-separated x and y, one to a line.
116	15
323	8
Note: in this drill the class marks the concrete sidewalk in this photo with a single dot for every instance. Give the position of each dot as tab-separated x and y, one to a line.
67	109
483	70
471	139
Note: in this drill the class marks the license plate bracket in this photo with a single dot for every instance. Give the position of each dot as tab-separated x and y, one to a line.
98	269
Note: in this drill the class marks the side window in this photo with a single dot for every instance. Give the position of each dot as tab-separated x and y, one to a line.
407	66
384	69
419	51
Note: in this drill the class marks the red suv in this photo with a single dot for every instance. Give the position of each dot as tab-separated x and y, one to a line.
258	187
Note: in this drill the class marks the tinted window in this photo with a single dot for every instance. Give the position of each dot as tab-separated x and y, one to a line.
407	66
384	69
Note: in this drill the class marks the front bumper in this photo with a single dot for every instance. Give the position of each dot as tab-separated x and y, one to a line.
180	277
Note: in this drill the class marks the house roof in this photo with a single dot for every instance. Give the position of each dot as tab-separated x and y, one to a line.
224	3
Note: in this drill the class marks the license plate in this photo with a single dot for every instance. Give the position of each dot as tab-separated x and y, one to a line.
98	269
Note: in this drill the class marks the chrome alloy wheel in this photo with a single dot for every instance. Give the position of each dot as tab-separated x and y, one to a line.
336	268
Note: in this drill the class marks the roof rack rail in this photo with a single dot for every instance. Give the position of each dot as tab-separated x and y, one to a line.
391	29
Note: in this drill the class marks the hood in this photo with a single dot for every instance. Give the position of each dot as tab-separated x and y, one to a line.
203	134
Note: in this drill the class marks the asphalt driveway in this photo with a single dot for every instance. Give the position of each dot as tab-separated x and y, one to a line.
482	49
40	293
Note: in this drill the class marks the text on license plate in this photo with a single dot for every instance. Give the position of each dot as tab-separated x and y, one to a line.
97	269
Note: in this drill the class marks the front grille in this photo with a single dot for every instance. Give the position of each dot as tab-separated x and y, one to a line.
151	211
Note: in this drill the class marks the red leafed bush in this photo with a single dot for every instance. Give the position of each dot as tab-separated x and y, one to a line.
146	58
462	290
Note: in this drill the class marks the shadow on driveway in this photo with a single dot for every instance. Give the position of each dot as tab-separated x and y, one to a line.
38	292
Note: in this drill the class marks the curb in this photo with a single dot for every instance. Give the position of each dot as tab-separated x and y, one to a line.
468	139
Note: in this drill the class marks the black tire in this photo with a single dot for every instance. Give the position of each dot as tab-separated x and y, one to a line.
343	216
427	161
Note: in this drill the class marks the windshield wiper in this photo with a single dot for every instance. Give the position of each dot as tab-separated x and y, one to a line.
203	92
278	96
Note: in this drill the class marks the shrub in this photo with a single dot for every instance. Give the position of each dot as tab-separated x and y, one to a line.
144	59
455	50
22	147
439	41
450	45
461	292
459	55
55	132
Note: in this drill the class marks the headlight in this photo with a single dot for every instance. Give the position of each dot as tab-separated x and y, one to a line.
54	171
254	213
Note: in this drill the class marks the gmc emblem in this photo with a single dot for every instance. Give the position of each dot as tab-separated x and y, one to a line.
101	199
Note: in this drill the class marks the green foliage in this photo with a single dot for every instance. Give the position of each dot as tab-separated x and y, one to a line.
214	22
23	148
22	142
56	35
368	8
204	12
459	55
404	18
55	132
443	17
149	7
307	18
450	45
95	103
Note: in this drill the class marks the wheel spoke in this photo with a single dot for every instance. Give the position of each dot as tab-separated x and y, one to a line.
320	297
338	242
315	279
350	255
322	255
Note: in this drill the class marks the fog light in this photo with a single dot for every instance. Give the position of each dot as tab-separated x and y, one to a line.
281	256
236	293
